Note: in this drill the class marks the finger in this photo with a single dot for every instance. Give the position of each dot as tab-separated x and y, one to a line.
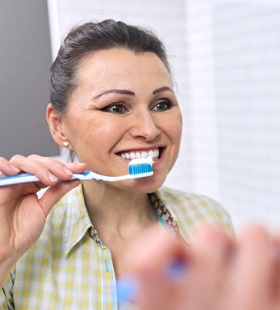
76	167
34	167
213	250
56	167
159	263
6	168
212	241
149	246
47	170
252	269
63	171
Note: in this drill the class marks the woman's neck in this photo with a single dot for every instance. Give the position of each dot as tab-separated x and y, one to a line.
114	210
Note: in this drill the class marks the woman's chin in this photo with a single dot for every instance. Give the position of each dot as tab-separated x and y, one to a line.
148	184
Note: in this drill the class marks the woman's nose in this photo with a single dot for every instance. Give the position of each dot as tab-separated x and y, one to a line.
144	126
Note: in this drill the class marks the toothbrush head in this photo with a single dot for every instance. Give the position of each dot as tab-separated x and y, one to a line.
140	166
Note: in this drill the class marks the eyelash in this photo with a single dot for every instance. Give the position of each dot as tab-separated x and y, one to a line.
110	106
167	102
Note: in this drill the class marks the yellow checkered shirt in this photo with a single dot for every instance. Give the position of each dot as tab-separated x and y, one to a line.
70	268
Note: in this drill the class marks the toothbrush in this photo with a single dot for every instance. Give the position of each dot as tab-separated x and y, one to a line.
137	168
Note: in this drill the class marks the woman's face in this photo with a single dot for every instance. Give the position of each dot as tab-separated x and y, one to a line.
124	107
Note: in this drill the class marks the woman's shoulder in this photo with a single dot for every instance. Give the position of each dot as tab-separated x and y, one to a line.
191	209
184	199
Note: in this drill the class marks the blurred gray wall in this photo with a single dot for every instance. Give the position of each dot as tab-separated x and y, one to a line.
25	59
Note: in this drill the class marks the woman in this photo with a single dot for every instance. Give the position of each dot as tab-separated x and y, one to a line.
112	99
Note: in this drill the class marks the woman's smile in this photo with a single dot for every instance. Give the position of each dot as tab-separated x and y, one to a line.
132	117
155	153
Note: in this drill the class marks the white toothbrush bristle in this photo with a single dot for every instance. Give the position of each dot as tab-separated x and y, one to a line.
140	165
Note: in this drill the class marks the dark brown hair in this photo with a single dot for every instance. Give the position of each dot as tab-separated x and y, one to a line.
92	37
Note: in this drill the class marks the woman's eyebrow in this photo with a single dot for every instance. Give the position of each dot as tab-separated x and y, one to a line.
115	91
131	93
161	89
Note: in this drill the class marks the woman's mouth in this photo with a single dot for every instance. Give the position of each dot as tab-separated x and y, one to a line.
154	153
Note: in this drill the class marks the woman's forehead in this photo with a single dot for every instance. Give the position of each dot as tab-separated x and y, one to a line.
121	58
121	65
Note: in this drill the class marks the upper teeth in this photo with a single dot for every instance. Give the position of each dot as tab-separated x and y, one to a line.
140	154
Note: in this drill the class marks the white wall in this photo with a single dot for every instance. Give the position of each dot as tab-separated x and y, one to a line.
225	57
234	61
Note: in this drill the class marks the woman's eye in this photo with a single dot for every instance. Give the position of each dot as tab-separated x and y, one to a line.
115	108
162	105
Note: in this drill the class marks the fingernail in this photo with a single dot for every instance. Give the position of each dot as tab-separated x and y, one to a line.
127	288
80	164
67	171
175	269
15	169
53	178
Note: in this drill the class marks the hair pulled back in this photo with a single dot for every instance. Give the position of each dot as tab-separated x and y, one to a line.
89	38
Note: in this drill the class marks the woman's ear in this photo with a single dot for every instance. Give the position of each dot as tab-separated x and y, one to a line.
54	120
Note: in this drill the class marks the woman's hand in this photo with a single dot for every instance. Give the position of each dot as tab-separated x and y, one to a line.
214	273
22	213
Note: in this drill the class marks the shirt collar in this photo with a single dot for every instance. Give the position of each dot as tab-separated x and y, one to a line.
77	218
78	222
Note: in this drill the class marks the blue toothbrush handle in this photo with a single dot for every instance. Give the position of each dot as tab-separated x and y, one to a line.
18	179
29	178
